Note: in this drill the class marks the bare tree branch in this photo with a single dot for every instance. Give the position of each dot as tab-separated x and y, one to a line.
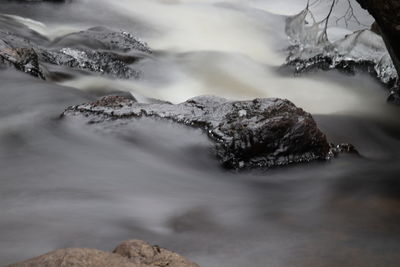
349	15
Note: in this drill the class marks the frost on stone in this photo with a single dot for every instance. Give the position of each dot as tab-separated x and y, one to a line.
385	70
311	49
247	134
78	56
103	62
98	51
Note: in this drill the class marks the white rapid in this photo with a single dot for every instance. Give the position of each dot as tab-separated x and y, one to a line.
231	49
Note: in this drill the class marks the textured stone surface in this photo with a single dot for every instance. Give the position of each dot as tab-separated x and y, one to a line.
102	38
247	134
97	50
144	254
18	52
77	257
133	253
362	50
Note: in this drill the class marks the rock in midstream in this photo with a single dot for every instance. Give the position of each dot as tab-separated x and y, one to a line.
22	56
311	49
96	50
101	38
247	134
133	253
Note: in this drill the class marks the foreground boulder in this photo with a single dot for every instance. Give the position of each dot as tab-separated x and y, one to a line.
77	257
143	254
247	134
134	253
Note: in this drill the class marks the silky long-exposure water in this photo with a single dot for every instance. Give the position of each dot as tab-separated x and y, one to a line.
63	185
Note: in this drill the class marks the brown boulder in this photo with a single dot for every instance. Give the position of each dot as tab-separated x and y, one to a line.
77	257
142	253
134	253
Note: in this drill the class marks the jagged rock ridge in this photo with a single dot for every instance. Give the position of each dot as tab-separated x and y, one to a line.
247	134
96	50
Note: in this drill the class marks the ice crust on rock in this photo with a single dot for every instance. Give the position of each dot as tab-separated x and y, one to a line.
247	134
96	50
311	49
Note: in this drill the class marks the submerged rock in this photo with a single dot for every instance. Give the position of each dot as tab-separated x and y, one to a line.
134	253
247	134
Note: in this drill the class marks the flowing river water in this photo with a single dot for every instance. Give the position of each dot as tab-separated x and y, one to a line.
65	186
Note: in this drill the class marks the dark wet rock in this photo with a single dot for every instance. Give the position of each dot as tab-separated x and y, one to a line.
24	59
97	50
134	253
19	53
343	148
386	14
362	50
247	134
326	63
102	38
105	63
394	96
